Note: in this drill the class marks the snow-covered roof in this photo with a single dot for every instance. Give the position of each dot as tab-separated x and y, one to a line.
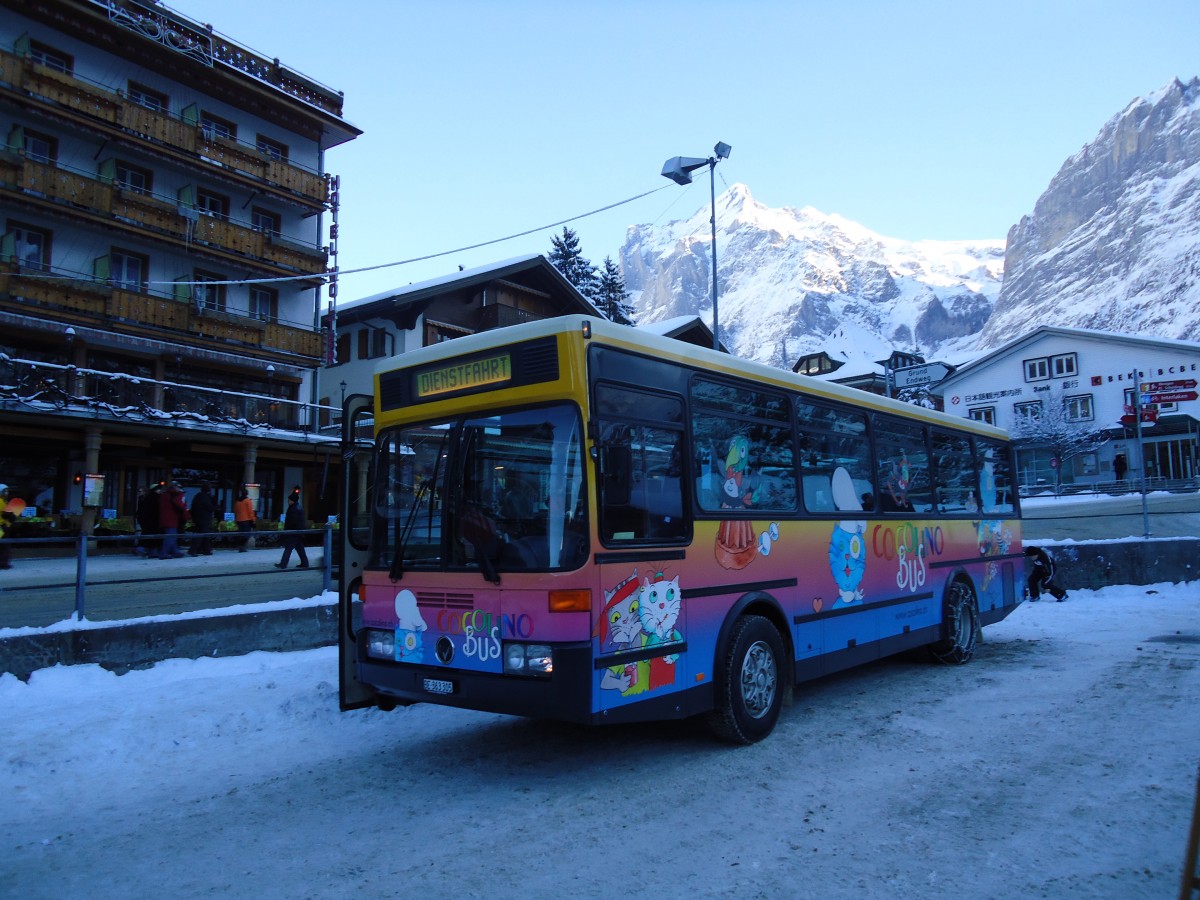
1082	334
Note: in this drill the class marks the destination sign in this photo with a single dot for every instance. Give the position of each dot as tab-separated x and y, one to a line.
1172	397
1180	384
464	376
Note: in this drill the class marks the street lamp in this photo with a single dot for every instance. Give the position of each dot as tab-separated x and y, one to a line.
679	169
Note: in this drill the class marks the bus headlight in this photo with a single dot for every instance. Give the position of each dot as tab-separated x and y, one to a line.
381	644
528	659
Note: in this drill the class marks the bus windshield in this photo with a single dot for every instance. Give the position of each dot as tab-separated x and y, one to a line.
497	493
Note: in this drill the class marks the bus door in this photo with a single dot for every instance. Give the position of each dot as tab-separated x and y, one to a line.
354	526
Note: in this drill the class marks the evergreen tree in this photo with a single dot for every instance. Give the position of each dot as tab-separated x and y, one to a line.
613	297
567	256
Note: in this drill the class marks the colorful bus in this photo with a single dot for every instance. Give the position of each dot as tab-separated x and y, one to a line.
579	521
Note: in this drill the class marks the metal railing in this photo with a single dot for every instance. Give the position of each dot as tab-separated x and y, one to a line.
84	547
51	387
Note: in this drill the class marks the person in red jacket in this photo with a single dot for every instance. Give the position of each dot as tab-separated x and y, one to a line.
172	517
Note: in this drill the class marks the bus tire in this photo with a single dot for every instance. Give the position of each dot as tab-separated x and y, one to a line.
750	682
960	625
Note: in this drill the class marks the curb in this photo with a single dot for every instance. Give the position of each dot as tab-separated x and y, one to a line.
121	648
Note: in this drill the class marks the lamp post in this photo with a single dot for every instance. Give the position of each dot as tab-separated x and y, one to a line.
679	169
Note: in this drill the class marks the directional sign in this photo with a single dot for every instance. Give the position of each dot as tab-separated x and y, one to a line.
1173	397
915	376
1158	387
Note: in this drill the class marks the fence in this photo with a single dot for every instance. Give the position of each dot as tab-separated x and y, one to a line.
82	568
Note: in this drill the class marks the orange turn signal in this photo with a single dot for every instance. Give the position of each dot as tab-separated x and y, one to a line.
571	601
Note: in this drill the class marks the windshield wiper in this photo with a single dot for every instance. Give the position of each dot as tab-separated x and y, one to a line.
397	570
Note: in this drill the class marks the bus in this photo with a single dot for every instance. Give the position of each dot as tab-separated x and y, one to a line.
579	521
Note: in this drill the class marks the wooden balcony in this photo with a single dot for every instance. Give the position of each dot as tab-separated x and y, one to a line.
500	315
113	111
114	309
136	213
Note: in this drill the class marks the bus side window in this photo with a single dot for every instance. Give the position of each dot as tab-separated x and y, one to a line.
641	482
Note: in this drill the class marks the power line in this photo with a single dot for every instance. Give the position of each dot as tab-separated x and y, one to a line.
402	262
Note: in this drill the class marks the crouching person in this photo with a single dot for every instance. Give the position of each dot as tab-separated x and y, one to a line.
1041	574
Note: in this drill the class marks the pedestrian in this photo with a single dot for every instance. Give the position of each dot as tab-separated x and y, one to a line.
5	515
172	517
293	521
1120	466
245	517
147	521
202	522
1041	575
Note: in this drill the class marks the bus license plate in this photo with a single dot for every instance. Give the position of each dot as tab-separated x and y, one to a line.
438	686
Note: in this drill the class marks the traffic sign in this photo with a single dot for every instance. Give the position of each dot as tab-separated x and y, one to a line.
1182	384
1172	397
914	376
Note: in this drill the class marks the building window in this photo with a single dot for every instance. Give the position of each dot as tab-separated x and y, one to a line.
29	247
372	343
1064	365
1079	408
983	414
264	220
1028	411
40	147
1037	369
264	303
51	58
272	149
133	179
343	348
128	270
209	296
147	97
211	204
215	126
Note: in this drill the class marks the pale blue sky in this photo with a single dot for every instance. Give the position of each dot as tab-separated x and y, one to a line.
481	118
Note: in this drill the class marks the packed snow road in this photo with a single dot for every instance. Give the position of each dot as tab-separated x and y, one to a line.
1061	762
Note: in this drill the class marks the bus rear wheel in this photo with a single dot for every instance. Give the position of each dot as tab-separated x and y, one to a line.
749	682
960	625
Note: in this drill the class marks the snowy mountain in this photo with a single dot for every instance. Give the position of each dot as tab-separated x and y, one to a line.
794	281
1114	242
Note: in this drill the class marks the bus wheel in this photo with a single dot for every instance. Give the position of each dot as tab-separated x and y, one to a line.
749	685
960	625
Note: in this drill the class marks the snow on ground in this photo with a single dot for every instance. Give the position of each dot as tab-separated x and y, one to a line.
1060	763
